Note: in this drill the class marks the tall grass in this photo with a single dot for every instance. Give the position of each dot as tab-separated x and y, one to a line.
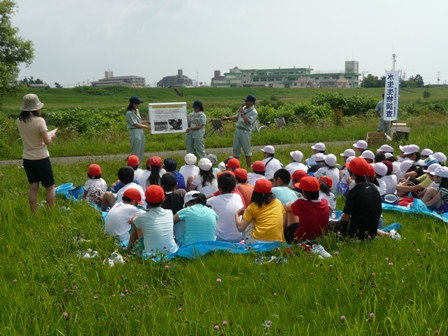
382	286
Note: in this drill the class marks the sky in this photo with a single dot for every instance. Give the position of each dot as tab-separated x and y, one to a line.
76	41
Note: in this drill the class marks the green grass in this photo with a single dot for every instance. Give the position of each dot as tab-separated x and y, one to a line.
403	283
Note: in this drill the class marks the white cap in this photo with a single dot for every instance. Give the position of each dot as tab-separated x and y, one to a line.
439	156
297	156
388	155
189	196
348	152
330	160
385	149
205	164
320	146
403	148
432	168
350	158
427	152
380	168
190	159
368	155
411	149
442	172
319	157
360	144
268	149
405	165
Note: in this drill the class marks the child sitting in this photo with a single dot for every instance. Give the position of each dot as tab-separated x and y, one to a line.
326	183
117	221
437	199
308	217
156	225
95	186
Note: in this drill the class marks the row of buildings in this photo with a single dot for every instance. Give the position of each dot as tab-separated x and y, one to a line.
289	77
236	77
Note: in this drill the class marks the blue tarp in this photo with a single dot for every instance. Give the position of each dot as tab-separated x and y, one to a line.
200	249
418	207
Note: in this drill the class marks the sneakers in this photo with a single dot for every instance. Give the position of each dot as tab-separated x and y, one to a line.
394	235
319	250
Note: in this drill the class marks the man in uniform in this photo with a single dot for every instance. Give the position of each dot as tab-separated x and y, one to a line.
246	117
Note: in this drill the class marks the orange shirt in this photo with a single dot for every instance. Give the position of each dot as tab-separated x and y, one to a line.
246	191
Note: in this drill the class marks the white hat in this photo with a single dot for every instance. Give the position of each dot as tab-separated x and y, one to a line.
432	168
31	102
403	148
348	152
350	158
205	164
439	156
360	144
319	157
368	155
330	160
386	149
388	155
411	149
442	172
405	165
268	149
297	155
380	168
320	146
189	196
427	152
190	159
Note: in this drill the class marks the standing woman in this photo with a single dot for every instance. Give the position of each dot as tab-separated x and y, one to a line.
136	125
196	130
36	158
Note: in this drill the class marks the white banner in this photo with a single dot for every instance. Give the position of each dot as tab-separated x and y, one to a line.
391	95
168	117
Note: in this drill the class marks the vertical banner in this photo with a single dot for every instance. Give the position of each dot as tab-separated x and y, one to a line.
391	95
168	117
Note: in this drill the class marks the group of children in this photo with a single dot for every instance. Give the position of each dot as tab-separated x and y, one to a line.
164	209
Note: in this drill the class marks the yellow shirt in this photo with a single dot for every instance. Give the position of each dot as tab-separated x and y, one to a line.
268	220
425	181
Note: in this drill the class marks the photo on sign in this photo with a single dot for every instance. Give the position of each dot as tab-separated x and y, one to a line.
168	117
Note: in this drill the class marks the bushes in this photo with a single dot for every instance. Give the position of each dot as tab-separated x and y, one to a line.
8	135
349	105
87	122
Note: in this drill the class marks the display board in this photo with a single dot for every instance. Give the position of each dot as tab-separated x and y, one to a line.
168	117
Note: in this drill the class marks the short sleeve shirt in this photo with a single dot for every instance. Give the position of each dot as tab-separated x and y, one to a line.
34	147
251	114
200	223
196	119
132	118
268	220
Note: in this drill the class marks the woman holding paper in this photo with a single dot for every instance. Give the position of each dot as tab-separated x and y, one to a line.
36	158
135	124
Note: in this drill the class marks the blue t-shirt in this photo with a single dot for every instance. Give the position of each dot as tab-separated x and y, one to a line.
284	194
200	224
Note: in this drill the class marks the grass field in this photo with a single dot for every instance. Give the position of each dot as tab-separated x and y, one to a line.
379	287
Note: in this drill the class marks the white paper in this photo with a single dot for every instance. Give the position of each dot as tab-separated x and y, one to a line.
52	131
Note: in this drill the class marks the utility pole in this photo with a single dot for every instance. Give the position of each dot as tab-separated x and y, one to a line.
438	78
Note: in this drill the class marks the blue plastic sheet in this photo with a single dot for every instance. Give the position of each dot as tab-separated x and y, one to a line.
418	207
200	249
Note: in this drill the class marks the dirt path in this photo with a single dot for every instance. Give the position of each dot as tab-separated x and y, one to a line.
164	154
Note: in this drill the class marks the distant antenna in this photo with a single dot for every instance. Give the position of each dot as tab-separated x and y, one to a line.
438	78
394	56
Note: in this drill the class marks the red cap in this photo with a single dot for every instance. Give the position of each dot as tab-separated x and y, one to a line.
154	194
308	183
134	195
258	167
133	160
298	175
241	173
371	172
358	166
328	181
155	161
263	186
233	163
94	170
